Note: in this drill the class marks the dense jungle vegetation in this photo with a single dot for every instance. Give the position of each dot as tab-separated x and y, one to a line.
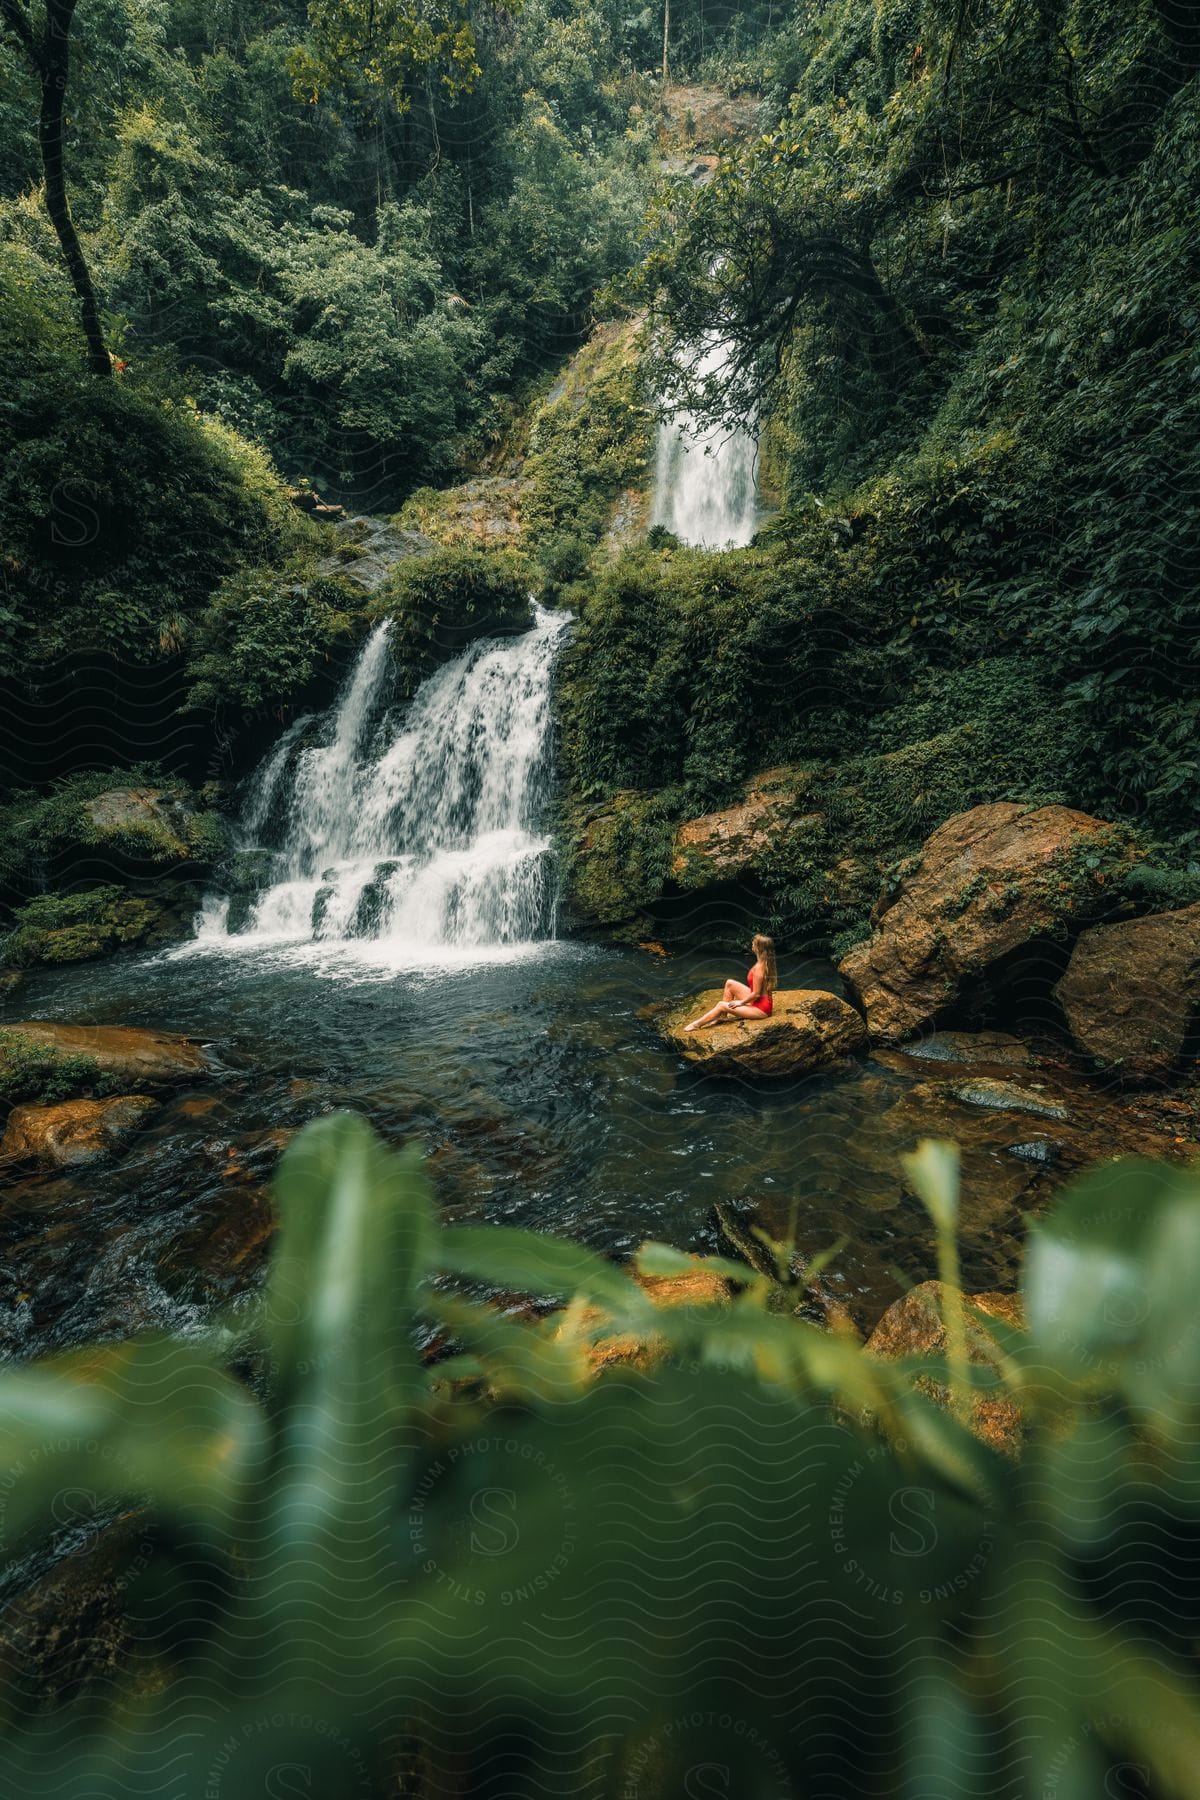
367	1575
956	263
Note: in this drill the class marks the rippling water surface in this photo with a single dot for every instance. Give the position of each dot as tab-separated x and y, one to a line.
534	1078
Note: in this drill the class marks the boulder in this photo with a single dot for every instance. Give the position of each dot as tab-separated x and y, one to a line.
74	1132
724	845
145	1058
697	1288
156	820
1131	990
913	1327
985	883
808	1029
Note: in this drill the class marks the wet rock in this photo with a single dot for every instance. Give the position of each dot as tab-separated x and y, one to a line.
985	883
972	1047
722	846
1131	990
913	1327
1006	1096
602	1350
1035	1150
74	1132
145	1058
808	1029
68	1626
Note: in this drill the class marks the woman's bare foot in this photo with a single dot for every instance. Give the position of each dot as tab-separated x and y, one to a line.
694	1026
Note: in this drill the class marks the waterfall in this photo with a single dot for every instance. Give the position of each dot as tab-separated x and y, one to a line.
418	825
704	480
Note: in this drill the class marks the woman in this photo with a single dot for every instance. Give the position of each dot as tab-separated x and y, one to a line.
749	999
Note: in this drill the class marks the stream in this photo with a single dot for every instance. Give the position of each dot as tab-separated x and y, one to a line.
532	1075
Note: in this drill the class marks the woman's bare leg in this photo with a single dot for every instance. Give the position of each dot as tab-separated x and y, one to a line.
713	1016
736	990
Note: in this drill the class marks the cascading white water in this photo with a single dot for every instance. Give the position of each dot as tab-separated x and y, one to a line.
420	826
704	480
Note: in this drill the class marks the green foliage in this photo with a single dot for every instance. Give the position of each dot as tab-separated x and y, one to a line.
58	830
114	549
62	928
440	602
590	441
265	634
462	1506
33	1071
378	52
960	275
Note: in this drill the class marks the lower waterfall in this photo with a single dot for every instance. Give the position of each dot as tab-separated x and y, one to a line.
419	825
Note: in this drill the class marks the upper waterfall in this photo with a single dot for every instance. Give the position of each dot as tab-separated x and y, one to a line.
704	479
421	824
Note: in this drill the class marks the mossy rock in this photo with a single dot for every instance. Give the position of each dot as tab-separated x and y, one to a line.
68	928
807	1029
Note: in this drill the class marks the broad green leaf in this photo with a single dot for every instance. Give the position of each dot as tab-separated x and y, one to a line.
525	1262
152	1420
355	1240
1110	1285
663	1259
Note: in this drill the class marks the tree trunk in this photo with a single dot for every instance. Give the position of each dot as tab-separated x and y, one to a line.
666	37
53	73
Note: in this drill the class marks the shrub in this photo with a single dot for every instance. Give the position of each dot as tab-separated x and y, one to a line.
63	928
32	1071
440	602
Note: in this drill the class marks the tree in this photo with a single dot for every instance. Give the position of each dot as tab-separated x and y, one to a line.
48	50
376	50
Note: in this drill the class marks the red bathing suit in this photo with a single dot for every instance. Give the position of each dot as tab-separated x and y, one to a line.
763	1004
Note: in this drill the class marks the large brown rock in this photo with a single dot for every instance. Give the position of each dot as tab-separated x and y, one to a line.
603	1347
724	845
145	1058
74	1132
1131	990
913	1327
807	1029
986	882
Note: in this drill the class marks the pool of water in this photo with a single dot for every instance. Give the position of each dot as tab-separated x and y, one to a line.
534	1078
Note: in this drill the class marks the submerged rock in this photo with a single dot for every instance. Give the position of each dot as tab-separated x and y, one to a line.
146	1058
74	1132
972	1047
913	1327
68	1625
985	883
1006	1096
1131	991
808	1029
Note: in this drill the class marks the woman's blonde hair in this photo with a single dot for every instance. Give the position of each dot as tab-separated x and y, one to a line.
764	949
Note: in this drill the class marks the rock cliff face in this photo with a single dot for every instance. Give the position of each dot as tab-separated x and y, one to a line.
1131	992
807	1030
984	884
